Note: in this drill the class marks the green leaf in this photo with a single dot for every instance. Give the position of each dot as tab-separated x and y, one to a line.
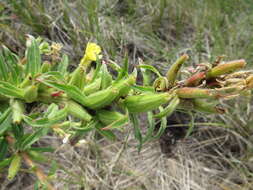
3	68
3	149
137	131
12	62
33	57
151	68
117	124
17	130
63	65
145	74
151	127
108	134
72	91
5	162
10	90
124	70
169	109
5	120
143	89
97	70
106	78
28	140
47	122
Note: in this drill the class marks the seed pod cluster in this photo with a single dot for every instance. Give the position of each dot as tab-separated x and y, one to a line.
47	97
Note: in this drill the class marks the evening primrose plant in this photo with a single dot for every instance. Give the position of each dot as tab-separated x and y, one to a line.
71	104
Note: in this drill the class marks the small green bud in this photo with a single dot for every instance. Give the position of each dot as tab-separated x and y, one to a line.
31	93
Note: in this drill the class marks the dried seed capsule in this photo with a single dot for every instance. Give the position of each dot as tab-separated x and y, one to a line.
195	79
107	117
161	84
101	98
191	92
204	106
249	82
169	109
225	68
92	87
18	110
173	71
31	93
146	102
78	111
14	166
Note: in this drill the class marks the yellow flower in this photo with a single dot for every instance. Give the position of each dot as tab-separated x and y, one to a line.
92	51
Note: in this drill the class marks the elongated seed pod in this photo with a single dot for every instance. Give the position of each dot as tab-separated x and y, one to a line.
225	68
14	166
18	110
107	117
78	111
101	98
191	92
173	71
169	109
124	85
31	93
204	106
195	79
146	102
92	87
249	82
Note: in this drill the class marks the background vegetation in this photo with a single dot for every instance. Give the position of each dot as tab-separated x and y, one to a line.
218	155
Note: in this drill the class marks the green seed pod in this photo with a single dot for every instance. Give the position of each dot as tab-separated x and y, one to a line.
14	166
225	68
31	93
169	109
46	66
206	107
101	98
107	117
92	87
191	92
173	71
18	110
78	111
124	85
146	102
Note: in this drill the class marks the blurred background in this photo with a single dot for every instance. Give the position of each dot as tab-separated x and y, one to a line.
218	154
